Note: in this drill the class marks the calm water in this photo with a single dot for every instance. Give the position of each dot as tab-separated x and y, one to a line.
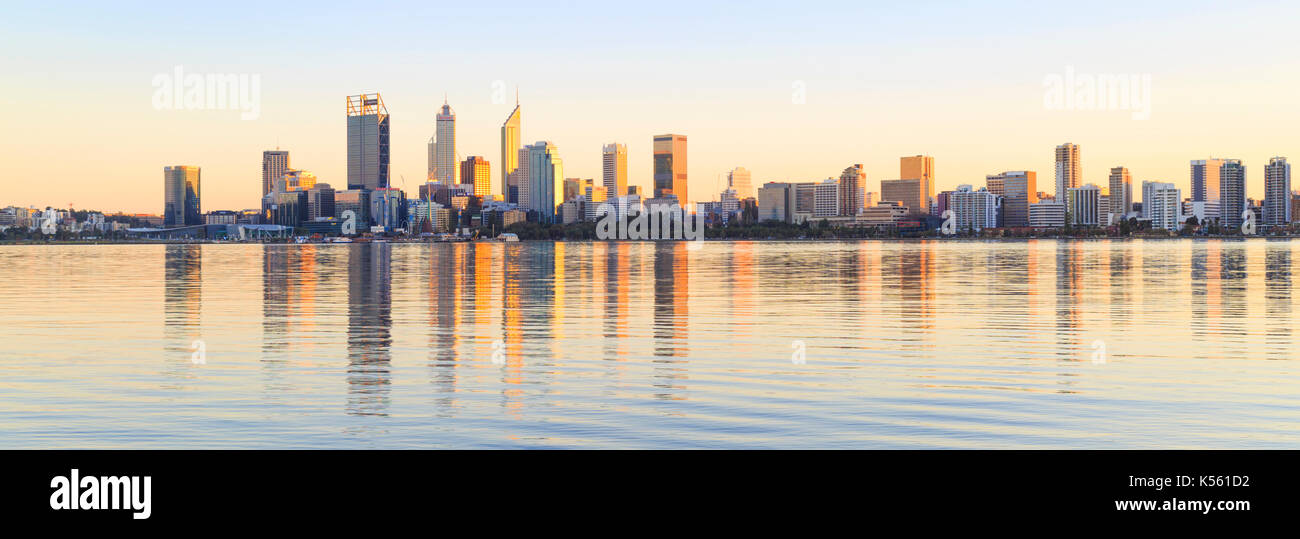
632	345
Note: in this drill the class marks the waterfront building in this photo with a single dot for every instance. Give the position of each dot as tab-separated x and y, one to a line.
670	166
368	147
181	188
1277	192
1068	170
274	164
613	168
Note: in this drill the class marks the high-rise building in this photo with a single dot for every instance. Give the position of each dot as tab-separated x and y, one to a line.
545	180
476	171
613	159
1232	192
670	167
1018	190
368	124
919	167
274	165
1068	171
181	196
1205	181
973	209
906	192
445	169
1084	205
853	190
1162	204
1277	192
510	156
740	180
1121	194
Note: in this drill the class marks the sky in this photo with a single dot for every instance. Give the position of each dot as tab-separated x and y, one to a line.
793	91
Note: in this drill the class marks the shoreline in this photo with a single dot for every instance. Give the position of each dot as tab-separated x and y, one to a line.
779	240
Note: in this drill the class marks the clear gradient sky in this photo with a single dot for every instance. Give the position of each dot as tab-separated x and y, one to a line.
963	82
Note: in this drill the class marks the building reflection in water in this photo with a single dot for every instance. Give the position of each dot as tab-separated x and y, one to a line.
1277	298
289	282
369	328
1068	261
916	295
671	311
443	290
613	265
182	307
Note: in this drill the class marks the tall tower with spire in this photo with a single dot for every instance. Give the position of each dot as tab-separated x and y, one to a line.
445	169
510	154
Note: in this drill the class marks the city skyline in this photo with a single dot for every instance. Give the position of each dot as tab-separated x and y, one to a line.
861	104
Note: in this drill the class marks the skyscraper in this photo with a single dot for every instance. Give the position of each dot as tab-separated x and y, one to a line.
1161	203
853	190
1232	192
741	181
274	165
510	155
1205	180
1018	190
670	167
1121	194
613	159
181	196
546	180
919	167
445	169
476	171
1277	192
368	124
1068	171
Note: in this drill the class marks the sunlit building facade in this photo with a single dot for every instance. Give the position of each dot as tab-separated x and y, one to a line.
613	165
670	167
476	171
445	169
510	151
1069	172
181	188
919	167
